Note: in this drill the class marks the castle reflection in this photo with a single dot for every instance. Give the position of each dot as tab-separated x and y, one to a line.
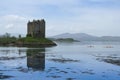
36	59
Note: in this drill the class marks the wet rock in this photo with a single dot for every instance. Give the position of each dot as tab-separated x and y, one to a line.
109	46
64	71
63	60
70	79
24	70
11	58
88	72
68	68
112	61
91	46
52	67
21	69
6	70
55	76
5	76
73	71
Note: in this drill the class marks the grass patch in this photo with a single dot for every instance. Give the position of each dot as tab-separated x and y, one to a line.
36	40
7	40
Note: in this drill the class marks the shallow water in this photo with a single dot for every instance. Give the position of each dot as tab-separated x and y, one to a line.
67	61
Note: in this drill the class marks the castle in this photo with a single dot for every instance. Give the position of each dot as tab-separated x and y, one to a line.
36	28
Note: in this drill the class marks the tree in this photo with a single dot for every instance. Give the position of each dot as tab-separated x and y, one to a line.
6	35
29	35
19	36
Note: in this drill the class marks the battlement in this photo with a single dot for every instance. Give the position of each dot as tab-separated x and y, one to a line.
42	20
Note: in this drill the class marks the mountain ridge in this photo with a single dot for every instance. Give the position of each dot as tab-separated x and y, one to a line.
86	37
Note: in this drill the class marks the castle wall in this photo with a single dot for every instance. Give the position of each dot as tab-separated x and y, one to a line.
42	29
36	28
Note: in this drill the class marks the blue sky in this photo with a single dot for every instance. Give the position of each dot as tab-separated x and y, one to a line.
95	17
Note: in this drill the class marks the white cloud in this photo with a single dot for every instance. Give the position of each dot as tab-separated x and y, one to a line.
9	26
13	18
13	24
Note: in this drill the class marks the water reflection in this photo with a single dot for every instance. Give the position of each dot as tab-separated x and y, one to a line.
36	59
63	62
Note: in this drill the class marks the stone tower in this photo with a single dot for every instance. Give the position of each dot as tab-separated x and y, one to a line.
36	28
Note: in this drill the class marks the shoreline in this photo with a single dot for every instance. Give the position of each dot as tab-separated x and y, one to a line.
29	44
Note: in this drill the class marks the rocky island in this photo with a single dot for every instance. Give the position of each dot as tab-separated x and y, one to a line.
35	36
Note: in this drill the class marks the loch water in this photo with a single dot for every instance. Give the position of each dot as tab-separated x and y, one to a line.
67	61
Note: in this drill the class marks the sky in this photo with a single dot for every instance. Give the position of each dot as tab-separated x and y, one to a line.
95	17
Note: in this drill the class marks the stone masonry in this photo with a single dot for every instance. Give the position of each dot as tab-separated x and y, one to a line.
36	28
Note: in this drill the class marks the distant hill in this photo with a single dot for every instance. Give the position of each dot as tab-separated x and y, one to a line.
86	37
